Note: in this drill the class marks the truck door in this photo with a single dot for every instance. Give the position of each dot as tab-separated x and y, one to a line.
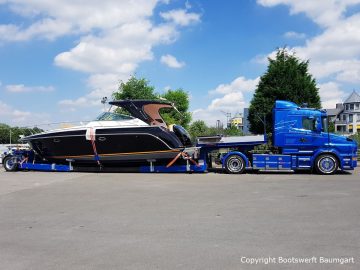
312	137
306	136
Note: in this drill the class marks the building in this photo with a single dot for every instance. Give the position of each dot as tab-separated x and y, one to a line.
246	123
237	121
346	116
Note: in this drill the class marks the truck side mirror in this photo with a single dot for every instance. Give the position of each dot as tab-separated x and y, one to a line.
318	126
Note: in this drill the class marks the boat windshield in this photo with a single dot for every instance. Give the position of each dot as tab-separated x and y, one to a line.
110	116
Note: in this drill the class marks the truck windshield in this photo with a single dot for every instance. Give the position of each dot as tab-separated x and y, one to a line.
324	123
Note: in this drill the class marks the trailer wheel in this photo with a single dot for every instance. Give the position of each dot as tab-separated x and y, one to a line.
10	163
326	164
234	164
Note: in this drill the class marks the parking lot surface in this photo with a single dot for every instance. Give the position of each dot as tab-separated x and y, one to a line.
178	221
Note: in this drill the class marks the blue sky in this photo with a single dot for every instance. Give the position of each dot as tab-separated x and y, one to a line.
58	58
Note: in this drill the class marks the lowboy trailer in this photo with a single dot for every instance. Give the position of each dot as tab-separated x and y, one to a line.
300	138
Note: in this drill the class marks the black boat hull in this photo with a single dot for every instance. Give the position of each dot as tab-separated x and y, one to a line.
113	146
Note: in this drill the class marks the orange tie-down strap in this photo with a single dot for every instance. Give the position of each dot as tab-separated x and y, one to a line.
184	155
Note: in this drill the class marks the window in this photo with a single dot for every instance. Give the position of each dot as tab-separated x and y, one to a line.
347	107
344	117
308	123
109	116
351	118
357	106
352	107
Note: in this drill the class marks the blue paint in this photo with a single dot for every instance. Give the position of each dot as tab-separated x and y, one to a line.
301	133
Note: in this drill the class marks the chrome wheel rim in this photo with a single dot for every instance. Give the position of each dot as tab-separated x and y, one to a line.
234	164
327	164
10	163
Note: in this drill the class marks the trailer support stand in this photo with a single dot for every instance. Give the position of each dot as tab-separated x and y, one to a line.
152	161
71	168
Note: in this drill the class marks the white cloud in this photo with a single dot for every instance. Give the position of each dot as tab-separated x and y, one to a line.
46	28
171	61
64	17
14	116
112	42
229	103
239	84
294	35
82	101
118	50
324	13
330	94
103	85
20	88
181	17
232	100
334	54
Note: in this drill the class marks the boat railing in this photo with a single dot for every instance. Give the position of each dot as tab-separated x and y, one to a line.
55	125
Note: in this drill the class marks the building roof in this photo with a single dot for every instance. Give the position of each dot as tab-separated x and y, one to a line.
334	112
354	97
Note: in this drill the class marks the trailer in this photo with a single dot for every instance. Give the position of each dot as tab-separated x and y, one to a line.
193	159
300	139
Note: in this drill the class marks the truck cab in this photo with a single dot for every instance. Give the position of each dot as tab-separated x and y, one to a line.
303	134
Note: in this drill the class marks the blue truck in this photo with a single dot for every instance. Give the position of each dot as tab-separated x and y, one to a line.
301	141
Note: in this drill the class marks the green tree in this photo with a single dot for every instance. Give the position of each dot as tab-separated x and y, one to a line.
135	88
180	99
4	133
286	78
16	132
139	88
232	131
198	128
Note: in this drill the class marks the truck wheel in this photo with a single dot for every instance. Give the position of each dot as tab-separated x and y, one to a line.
326	164
10	163
234	164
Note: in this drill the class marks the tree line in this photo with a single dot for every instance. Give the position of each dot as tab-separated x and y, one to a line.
8	133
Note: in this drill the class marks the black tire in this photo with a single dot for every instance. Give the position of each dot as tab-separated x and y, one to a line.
10	163
234	164
326	164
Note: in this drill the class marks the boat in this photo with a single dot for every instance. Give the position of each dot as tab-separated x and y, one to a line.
115	139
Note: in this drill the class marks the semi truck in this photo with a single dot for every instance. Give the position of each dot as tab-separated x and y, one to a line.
300	141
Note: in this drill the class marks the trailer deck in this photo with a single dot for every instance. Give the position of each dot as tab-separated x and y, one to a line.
194	159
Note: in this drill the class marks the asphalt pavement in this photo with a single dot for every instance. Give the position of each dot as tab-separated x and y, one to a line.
179	221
